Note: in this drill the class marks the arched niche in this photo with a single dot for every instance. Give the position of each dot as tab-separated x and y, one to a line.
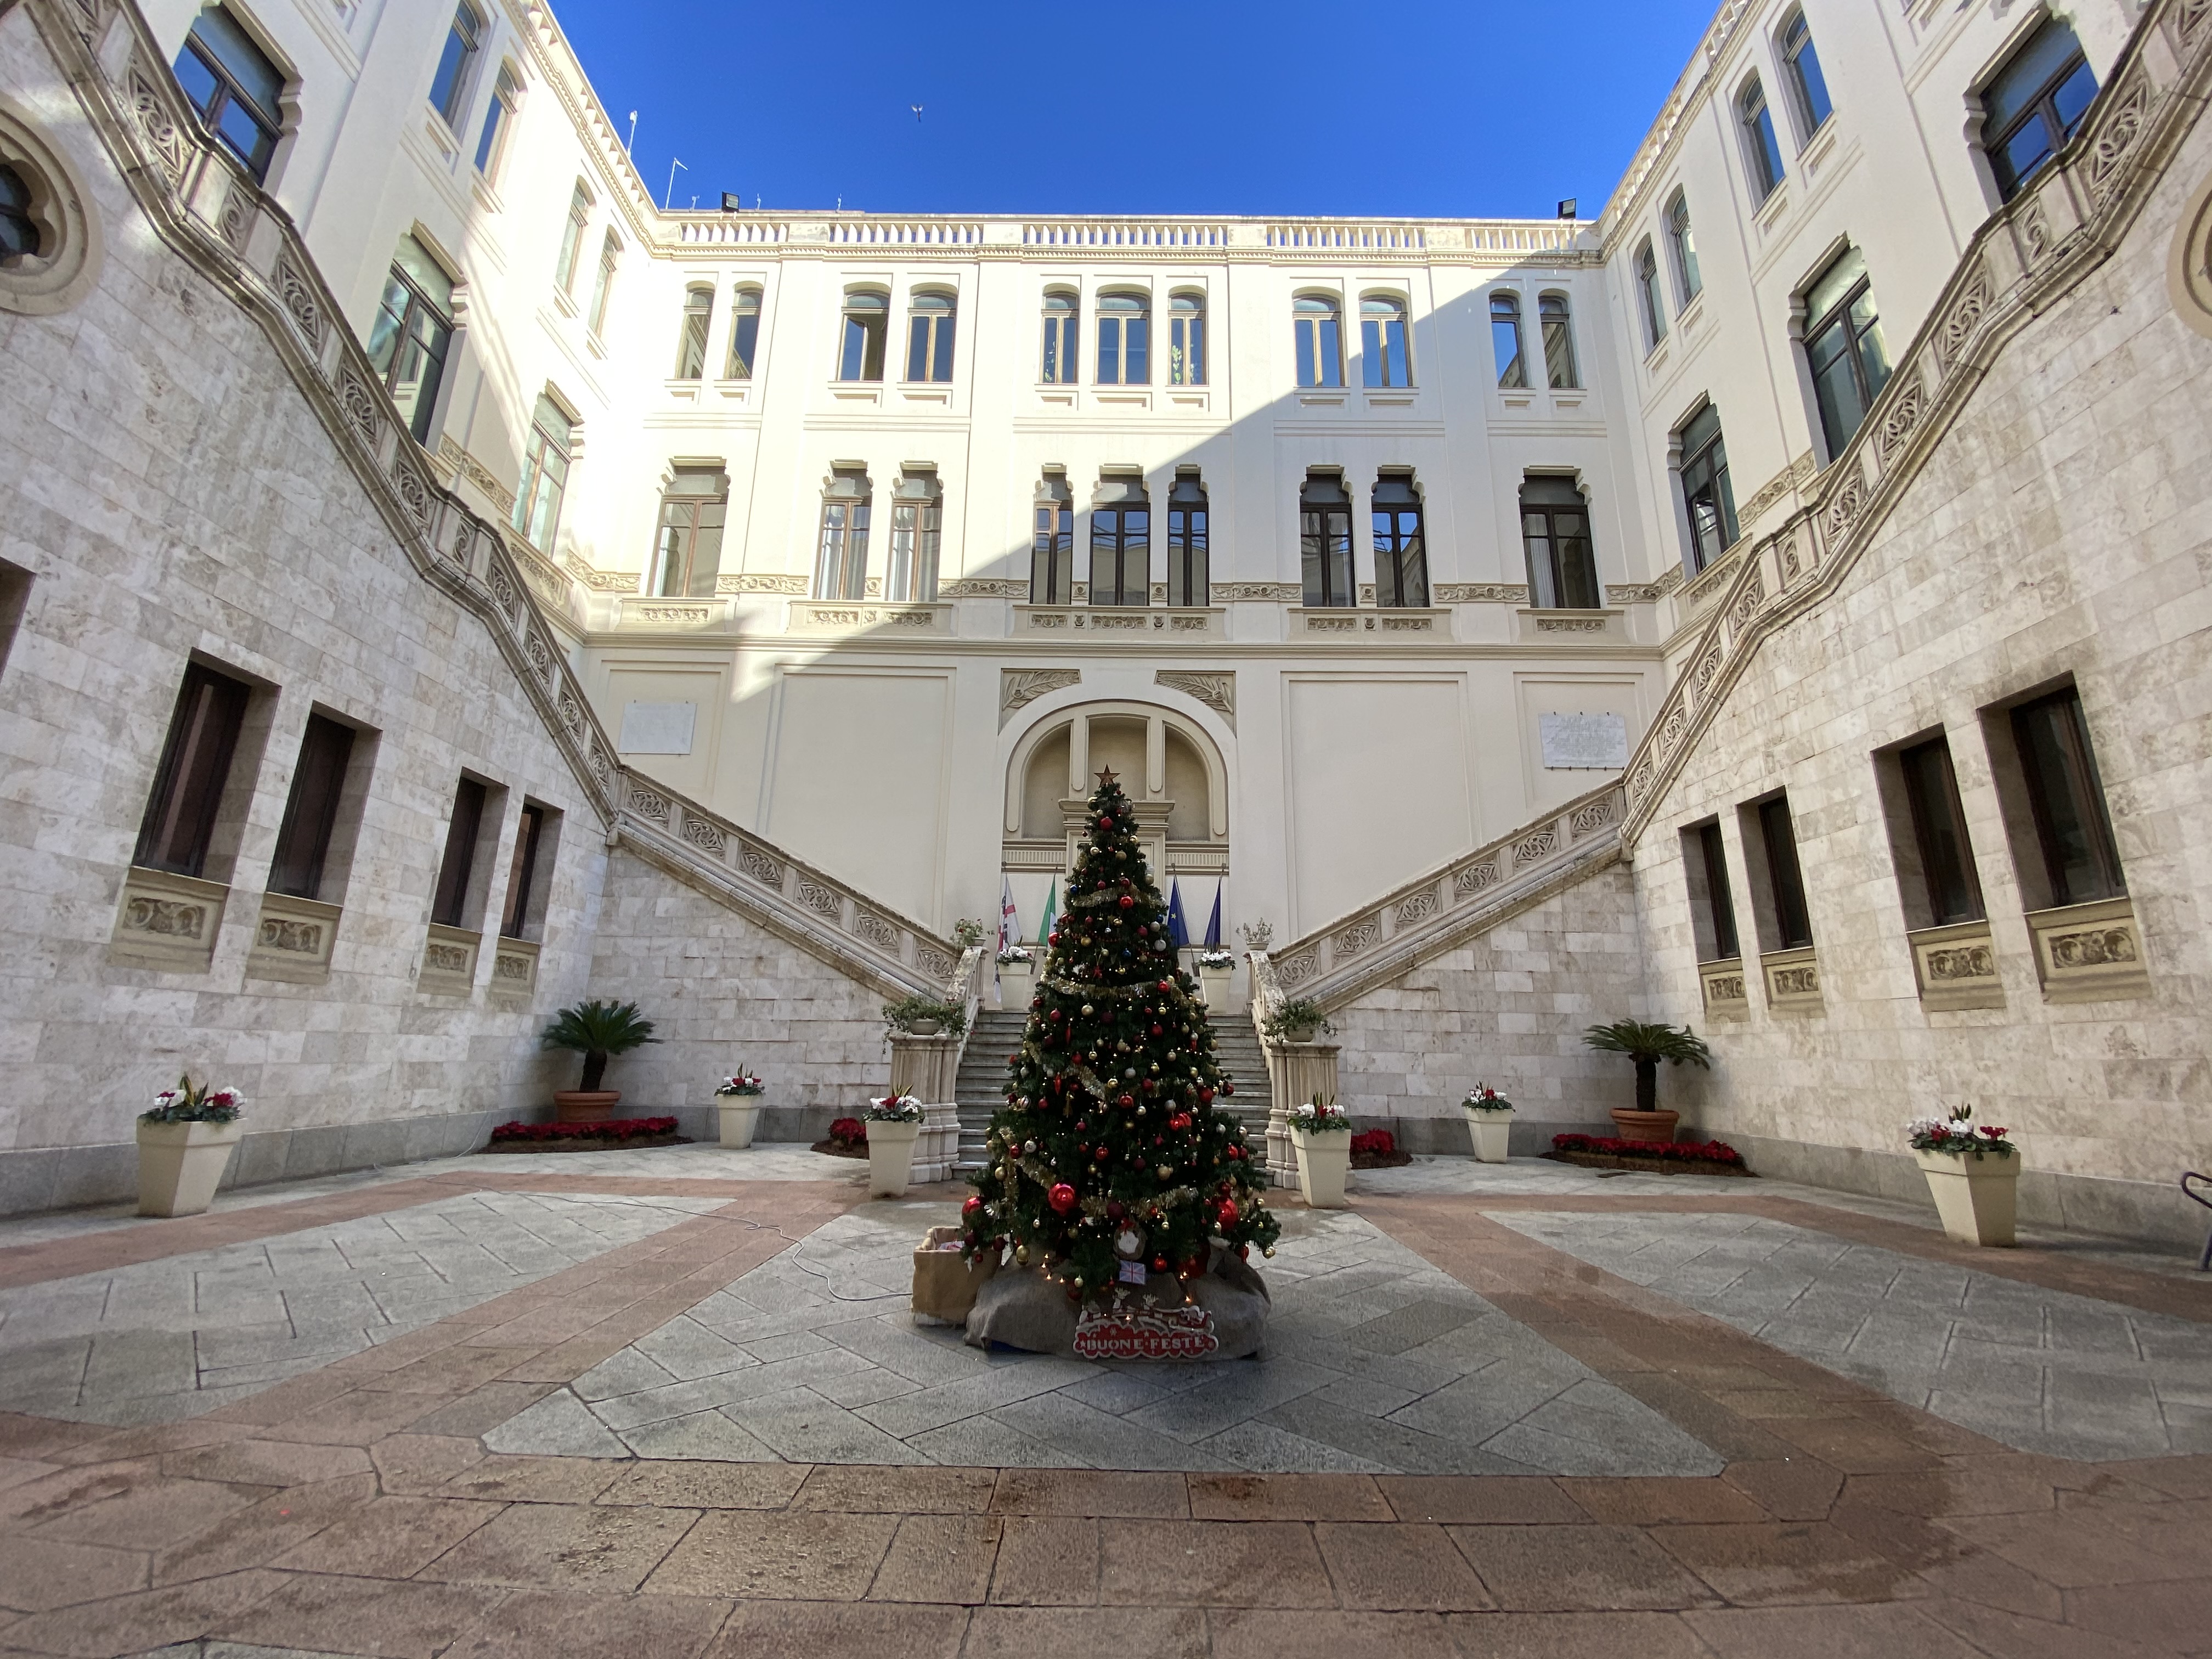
1168	762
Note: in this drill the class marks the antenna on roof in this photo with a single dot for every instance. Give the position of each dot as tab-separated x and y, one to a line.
630	143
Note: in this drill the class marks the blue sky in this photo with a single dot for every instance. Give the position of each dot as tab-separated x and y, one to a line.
1428	107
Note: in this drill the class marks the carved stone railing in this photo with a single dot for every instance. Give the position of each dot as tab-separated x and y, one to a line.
214	216
2069	221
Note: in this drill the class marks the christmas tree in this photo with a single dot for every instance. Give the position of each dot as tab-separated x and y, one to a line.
1112	1160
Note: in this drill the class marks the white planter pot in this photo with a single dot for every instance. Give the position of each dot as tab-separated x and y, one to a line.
1213	987
1016	984
1976	1196
890	1158
1490	1130
181	1165
1324	1160
738	1114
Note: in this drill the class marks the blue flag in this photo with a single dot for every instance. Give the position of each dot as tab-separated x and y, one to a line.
1178	934
1213	924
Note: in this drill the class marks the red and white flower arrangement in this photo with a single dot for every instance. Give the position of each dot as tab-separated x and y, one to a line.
195	1102
1484	1099
743	1084
1958	1135
894	1108
1321	1117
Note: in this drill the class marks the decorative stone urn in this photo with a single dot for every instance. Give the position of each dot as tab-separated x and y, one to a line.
181	1165
584	1105
1324	1160
1491	1132
890	1158
1977	1194
1644	1126
738	1114
1016	984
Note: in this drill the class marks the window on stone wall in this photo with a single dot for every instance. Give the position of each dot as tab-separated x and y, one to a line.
1706	495
1058	364
1844	348
841	556
530	873
234	87
691	339
1555	532
603	286
929	338
1317	329
1808	87
1647	296
449	86
1187	340
1189	573
412	333
1325	541
15	597
1505	340
2079	858
179	824
2033	105
1401	559
311	811
1124	322
1762	154
1559	366
21	238
1052	553
1712	907
1385	356
865	321
1770	845
498	118
449	903
1940	847
1682	243
1121	541
572	238
687	556
745	332
917	531
544	481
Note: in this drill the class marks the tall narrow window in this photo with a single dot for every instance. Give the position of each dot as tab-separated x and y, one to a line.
1187	340
867	319
180	814
840	559
522	872
234	87
1188	577
1844	348
917	529
1762	154
1401	559
498	116
545	474
1793	923
2033	107
21	238
1052	554
311	812
1316	326
1325	541
1058	365
1382	351
449	903
1647	296
1807	84
1706	494
689	555
929	338
449	87
691	342
2067	799
745	332
1559	366
1715	904
414	328
1121	541
603	286
1125	339
1505	340
572	239
1555	529
1683	246
1939	832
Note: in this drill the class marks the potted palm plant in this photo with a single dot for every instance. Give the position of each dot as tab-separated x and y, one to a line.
1489	1121
1646	1044
894	1125
738	1099
1320	1132
184	1147
1974	1176
598	1031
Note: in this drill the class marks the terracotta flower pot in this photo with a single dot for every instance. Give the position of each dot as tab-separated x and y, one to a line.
1644	1126
181	1165
585	1106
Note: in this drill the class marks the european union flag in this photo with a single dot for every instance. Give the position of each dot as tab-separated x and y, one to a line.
1178	934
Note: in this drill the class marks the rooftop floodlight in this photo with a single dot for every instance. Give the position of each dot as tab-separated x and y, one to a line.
733	202
1567	208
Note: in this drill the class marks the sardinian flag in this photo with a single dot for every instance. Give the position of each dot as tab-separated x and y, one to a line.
1010	923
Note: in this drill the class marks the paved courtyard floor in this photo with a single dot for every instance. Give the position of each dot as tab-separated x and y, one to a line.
672	1402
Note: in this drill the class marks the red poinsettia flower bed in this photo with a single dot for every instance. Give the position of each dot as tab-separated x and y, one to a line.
850	1130
1379	1141
621	1129
1678	1152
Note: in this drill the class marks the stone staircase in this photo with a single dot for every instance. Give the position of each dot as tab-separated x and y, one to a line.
980	1088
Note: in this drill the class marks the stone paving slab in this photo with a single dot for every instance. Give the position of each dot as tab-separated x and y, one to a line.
1377	1362
2033	1368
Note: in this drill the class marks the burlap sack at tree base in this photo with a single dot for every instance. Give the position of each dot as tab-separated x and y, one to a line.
944	1286
1025	1309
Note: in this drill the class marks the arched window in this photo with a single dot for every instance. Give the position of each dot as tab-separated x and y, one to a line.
1325	541
1762	154
865	321
1683	246
1120	540
1647	296
603	286
1556	534
1402	560
1559	366
1315	322
745	332
449	87
544	483
917	526
1808	87
1844	348
1706	495
1382	351
412	332
691	343
1187	340
19	238
1052	555
929	338
1188	577
572	239
2033	106
498	116
1505	340
1125	339
689	555
840	560
234	87
1058	365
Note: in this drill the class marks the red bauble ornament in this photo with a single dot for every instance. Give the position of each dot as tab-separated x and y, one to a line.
1053	939
1101	1154
1227	1088
1105	824
1159	1264
1128	903
1205	1095
1168	985
1228	1214
1180	1121
1061	1197
1156	1031
1129	1100
971	1206
1191	1268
